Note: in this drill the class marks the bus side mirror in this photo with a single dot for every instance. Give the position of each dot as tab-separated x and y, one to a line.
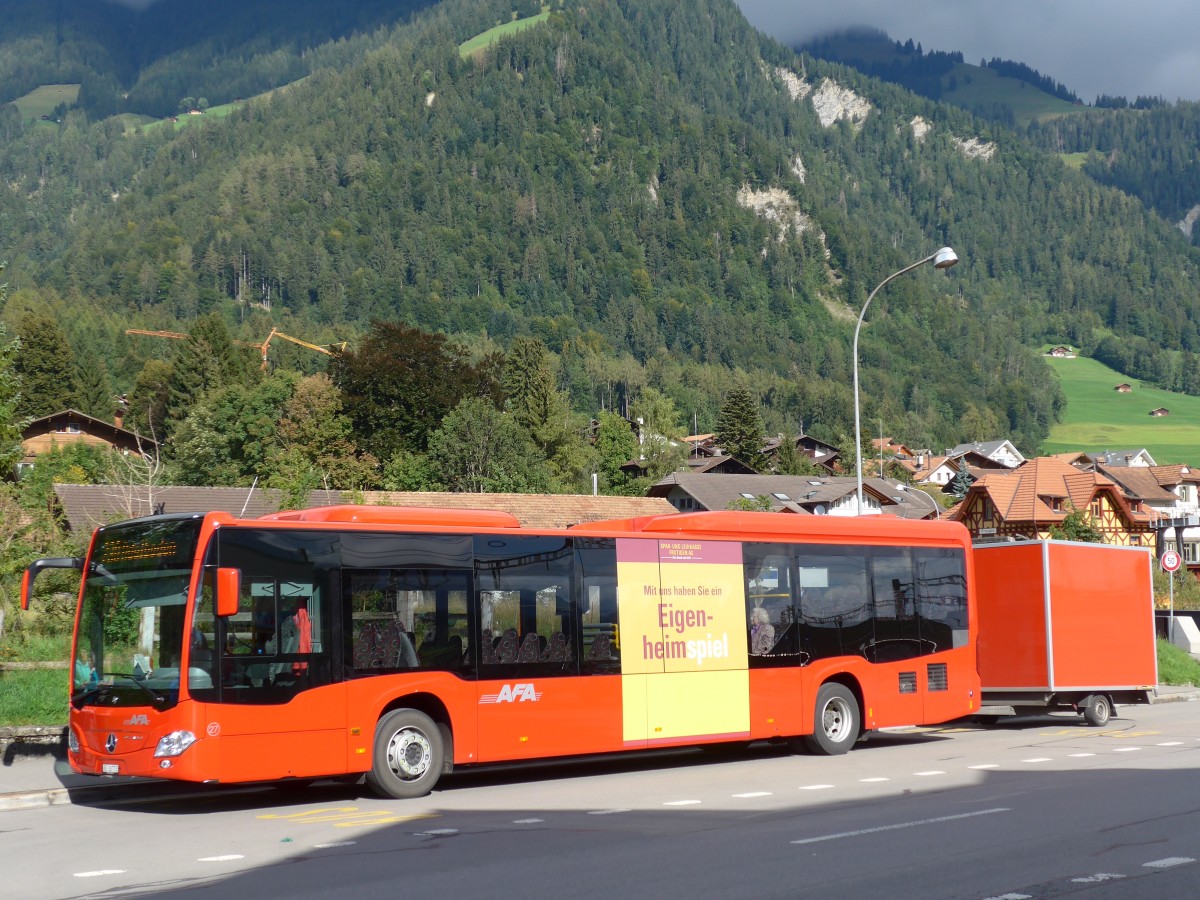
53	562
229	589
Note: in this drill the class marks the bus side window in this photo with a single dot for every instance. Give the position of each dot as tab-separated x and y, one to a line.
405	619
599	624
773	637
526	616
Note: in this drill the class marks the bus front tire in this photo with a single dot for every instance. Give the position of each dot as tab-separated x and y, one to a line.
836	723
408	754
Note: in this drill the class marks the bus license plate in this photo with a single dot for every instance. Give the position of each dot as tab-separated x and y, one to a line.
110	769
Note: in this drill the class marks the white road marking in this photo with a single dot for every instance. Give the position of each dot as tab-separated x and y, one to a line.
1168	862
1126	749
527	821
1171	744
752	795
985	766
930	772
873	780
1097	878
99	872
1037	759
879	828
438	832
1081	755
335	844
1012	897
607	812
815	787
228	857
682	802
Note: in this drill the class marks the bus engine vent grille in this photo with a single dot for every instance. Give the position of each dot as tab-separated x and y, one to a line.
908	682
938	680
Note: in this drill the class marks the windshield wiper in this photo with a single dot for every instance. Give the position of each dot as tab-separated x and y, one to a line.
158	699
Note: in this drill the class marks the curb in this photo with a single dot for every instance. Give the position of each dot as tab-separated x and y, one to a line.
113	796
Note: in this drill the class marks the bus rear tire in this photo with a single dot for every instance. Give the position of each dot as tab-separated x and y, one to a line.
408	755
836	723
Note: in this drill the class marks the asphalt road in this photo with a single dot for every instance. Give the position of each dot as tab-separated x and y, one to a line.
1035	808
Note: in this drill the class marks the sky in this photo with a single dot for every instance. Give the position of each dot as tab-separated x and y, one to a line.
1114	47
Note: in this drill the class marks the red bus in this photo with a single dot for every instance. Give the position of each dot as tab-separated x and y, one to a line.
397	643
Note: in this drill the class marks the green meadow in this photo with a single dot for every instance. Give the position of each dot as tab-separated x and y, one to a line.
41	101
481	41
973	85
1098	418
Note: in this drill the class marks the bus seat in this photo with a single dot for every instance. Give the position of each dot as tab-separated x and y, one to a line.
531	648
507	649
558	650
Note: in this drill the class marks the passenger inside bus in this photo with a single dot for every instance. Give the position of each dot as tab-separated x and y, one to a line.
762	632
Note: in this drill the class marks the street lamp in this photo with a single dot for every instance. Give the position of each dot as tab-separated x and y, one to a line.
943	259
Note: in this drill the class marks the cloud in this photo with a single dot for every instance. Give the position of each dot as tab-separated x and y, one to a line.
1092	46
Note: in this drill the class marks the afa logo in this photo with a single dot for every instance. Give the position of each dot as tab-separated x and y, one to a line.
513	693
138	719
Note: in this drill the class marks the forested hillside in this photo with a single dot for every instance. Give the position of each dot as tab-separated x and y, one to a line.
660	195
1152	154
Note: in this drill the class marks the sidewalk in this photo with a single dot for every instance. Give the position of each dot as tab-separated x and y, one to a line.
33	776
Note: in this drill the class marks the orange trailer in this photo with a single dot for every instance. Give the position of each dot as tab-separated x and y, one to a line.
1065	626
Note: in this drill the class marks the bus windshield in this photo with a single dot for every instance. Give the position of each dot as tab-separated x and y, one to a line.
129	638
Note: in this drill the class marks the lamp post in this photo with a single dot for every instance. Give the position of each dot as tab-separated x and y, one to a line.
943	259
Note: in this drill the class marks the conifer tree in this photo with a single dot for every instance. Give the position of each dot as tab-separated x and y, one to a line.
95	389
740	428
45	367
206	360
962	481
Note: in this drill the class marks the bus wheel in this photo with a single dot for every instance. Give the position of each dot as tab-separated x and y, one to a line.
407	759
1098	711
835	726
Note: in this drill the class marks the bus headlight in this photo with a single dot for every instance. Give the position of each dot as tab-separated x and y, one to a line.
72	741
174	743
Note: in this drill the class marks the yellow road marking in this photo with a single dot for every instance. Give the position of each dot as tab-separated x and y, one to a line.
347	817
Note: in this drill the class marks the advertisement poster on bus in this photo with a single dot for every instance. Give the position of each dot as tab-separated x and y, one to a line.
682	615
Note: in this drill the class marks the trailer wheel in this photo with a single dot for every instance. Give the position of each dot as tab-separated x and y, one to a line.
407	760
1098	710
836	724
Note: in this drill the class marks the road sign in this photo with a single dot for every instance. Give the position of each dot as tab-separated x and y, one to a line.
1171	561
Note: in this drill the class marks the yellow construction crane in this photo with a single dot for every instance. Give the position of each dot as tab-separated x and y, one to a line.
276	333
262	348
175	335
164	334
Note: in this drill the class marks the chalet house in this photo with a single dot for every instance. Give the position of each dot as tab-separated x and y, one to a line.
85	506
1111	458
823	454
1167	492
802	494
1123	388
891	447
942	470
70	426
1062	352
1002	452
1027	502
1160	412
720	465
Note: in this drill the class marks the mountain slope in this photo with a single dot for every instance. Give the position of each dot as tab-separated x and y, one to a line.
641	181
